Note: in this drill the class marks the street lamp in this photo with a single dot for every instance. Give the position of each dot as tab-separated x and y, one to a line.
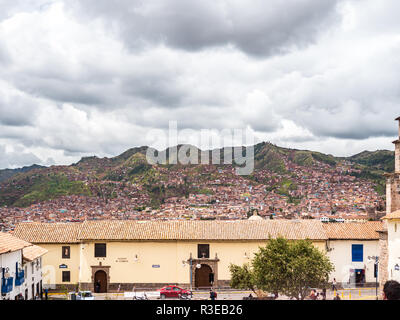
191	272
376	263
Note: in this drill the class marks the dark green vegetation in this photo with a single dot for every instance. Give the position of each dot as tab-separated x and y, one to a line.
373	165
6	174
22	187
285	267
41	187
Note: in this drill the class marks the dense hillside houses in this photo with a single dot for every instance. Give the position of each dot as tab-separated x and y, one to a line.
21	268
286	184
143	254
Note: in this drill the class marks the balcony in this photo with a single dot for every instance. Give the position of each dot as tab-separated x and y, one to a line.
7	285
20	278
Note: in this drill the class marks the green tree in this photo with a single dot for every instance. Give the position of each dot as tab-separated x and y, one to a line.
242	277
286	267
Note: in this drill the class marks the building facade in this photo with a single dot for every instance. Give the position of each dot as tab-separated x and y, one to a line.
20	266
352	248
105	255
389	257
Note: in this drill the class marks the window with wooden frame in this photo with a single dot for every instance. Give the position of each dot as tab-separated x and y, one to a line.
66	252
66	276
100	250
203	251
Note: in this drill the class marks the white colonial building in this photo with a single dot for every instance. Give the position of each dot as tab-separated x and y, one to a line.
20	268
352	248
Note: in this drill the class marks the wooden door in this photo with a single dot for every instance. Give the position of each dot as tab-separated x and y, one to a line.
202	277
101	278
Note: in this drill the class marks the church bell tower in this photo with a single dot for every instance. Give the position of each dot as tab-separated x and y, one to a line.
393	181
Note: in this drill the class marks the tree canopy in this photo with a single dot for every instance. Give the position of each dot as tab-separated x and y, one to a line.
286	267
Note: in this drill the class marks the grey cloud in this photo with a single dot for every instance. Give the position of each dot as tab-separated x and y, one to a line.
257	28
159	89
17	158
9	8
350	121
4	55
16	111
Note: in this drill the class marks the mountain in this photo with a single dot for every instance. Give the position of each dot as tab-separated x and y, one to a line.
379	160
129	174
6	174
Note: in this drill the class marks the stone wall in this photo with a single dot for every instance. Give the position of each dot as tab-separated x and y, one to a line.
383	261
396	192
393	193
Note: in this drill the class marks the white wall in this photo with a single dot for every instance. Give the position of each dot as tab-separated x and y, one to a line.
33	275
9	260
393	227
341	257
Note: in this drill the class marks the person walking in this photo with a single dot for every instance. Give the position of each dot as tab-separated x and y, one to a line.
324	294
46	292
213	294
334	285
97	287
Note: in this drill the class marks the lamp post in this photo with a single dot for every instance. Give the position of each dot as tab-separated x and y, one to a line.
191	272
376	263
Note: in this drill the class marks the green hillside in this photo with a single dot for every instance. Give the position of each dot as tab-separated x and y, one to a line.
35	184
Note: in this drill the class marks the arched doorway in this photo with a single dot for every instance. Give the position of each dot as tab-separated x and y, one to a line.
203	276
100	282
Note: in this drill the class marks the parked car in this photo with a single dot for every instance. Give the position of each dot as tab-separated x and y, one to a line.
174	292
81	295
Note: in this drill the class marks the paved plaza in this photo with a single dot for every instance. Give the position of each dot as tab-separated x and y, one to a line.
344	294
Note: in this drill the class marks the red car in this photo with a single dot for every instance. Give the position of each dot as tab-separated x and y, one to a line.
174	292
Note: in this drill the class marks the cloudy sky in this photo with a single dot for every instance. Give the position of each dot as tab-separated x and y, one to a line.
94	77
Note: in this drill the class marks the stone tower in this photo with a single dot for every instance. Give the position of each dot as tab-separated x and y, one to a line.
393	181
392	204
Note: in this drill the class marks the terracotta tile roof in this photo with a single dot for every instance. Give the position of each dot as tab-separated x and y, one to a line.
48	232
10	243
357	231
33	252
170	230
195	230
393	215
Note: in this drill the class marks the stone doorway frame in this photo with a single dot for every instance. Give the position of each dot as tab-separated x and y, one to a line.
212	263
106	269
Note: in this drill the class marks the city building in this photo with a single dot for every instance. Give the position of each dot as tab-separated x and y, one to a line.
21	268
351	246
144	254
